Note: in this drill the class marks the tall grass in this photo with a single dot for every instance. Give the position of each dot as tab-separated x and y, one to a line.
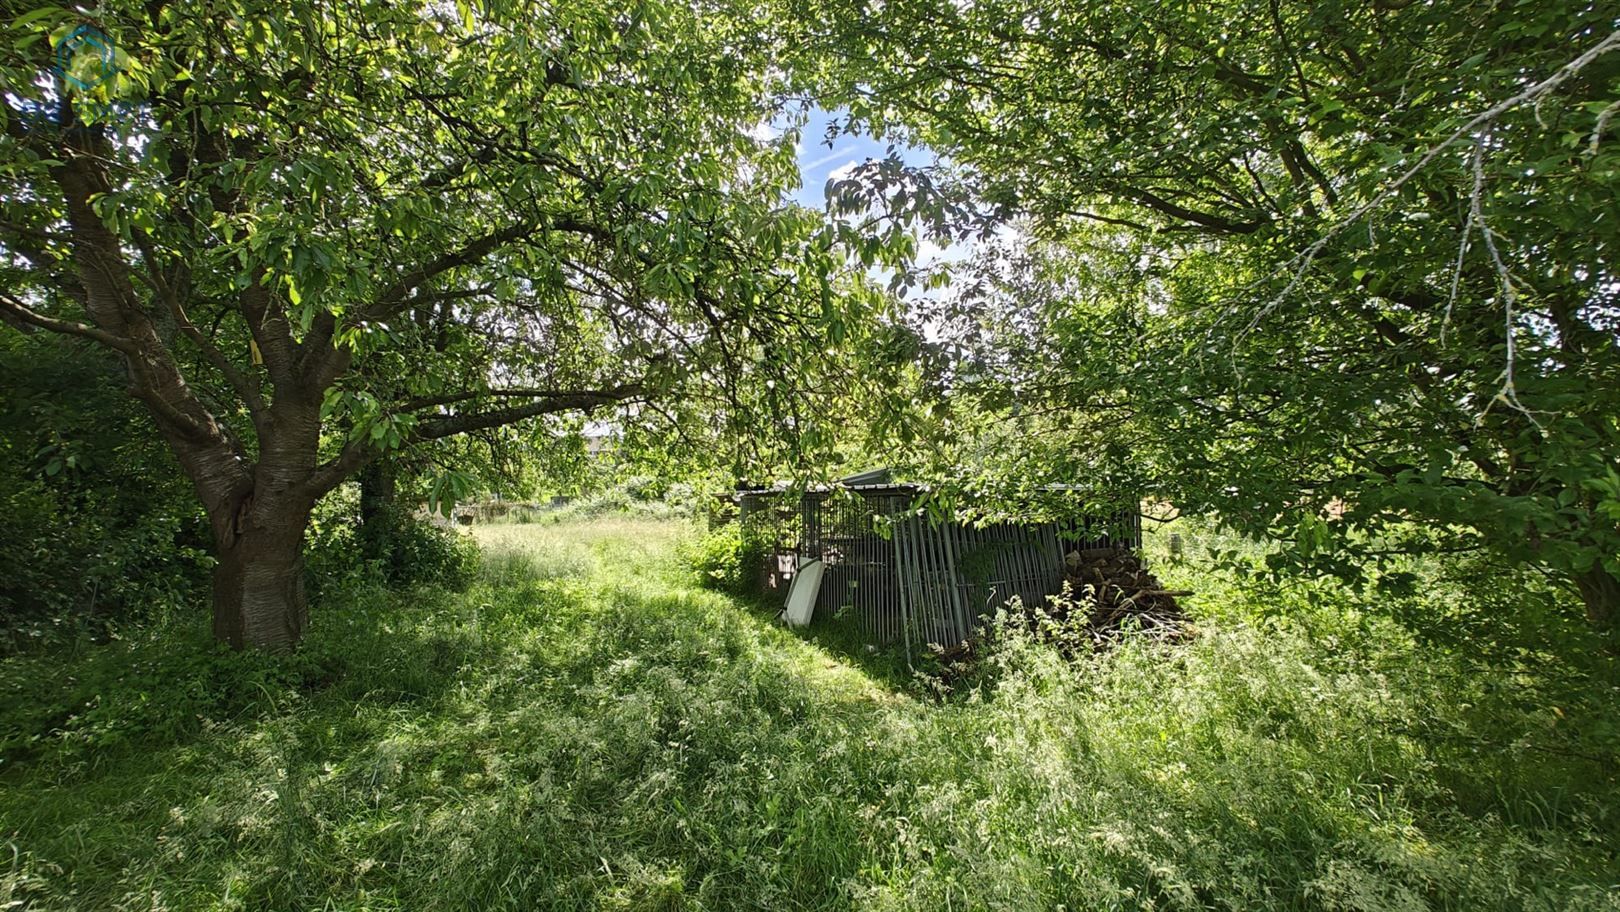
587	729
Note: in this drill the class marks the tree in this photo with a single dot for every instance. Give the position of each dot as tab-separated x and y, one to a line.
319	233
1343	273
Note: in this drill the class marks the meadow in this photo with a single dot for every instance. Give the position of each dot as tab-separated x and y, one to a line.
588	727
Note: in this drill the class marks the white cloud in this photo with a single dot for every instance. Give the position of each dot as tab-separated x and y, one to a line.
844	170
834	155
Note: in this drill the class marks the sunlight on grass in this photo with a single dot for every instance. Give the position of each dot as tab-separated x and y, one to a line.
587	729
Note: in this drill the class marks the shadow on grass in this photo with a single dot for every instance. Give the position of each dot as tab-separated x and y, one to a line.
841	638
589	729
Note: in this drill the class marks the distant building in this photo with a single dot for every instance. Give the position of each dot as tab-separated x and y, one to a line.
599	437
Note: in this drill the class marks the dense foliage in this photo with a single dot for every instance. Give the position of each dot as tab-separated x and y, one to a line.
1342	273
730	559
411	550
98	525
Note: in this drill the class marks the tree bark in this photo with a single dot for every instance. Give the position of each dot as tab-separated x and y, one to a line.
377	502
259	600
1600	591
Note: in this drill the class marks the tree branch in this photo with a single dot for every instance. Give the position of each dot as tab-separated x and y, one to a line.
69	327
358	451
450	425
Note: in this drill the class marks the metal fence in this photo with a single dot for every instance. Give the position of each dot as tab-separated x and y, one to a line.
896	575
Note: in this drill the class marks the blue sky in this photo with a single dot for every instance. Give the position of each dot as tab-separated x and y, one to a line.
817	162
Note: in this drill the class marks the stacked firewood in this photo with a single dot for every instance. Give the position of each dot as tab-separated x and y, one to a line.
1111	588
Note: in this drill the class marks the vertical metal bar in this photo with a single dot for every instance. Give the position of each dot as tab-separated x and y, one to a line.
964	623
1031	565
921	610
947	613
1045	545
894	573
891	579
907	568
883	577
919	588
900	582
922	596
1015	563
1021	545
1054	560
936	576
880	580
948	579
879	600
871	600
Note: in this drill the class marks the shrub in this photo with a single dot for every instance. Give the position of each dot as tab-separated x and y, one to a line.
99	525
421	553
728	560
403	549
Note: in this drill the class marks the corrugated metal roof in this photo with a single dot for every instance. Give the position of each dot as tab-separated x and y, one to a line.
878	476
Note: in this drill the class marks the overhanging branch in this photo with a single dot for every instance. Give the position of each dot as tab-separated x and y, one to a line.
28	315
552	403
357	452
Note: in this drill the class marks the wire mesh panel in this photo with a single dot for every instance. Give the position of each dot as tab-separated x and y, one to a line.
858	576
917	581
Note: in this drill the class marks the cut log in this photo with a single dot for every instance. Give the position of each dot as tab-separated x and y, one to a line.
1110	587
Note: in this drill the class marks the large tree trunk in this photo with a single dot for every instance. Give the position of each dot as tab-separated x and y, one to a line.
259	598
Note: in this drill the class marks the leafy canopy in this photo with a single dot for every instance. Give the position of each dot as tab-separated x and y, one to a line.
1335	271
436	218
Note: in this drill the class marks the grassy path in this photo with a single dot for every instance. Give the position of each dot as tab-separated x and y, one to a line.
587	729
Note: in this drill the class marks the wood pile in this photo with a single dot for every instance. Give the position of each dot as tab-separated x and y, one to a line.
1112	589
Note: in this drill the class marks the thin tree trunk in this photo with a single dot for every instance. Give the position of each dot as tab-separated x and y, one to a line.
259	600
1600	590
377	503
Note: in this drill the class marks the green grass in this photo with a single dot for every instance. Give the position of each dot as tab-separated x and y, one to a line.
588	729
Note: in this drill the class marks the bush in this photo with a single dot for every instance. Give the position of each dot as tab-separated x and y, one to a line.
727	560
419	552
100	527
402	549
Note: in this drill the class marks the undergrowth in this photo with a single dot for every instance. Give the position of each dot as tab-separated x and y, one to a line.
587	728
